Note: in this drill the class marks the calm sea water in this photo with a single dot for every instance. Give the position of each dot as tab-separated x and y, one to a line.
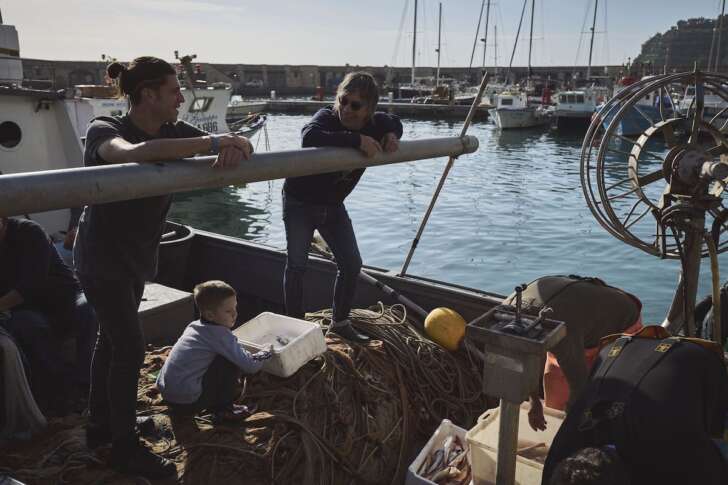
509	213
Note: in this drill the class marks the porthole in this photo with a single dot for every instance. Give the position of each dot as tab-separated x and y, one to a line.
10	134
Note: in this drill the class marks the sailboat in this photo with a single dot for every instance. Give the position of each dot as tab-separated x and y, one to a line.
575	108
512	109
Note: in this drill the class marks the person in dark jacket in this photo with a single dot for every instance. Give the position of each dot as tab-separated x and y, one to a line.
41	303
653	410
316	202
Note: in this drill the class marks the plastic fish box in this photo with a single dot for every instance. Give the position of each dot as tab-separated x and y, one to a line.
483	441
294	341
437	439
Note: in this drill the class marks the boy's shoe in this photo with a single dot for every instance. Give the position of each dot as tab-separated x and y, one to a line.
131	457
97	435
346	330
234	413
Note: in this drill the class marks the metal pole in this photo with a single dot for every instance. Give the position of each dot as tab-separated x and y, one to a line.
449	165
26	193
485	37
505	468
591	44
439	36
681	313
414	45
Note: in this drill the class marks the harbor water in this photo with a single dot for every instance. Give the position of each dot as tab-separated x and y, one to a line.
508	214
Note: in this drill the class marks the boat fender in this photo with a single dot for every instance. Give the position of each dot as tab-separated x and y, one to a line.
445	327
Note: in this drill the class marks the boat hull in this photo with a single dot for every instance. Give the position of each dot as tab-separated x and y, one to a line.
517	118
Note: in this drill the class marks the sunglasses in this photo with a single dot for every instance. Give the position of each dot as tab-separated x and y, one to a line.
354	105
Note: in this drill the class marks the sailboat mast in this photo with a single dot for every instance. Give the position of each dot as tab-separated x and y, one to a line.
485	38
720	32
515	43
414	45
591	44
439	37
495	47
530	40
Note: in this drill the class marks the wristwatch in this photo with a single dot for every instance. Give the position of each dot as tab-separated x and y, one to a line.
214	145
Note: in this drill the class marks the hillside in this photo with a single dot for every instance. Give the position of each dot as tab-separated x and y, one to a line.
684	44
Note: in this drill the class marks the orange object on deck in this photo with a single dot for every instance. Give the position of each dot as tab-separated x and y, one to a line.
556	388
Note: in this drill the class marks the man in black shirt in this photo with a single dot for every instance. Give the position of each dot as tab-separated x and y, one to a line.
117	246
42	303
654	404
317	201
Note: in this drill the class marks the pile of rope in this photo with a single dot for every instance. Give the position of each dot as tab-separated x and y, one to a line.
356	414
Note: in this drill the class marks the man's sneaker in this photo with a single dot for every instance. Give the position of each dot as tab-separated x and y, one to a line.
98	435
346	330
136	459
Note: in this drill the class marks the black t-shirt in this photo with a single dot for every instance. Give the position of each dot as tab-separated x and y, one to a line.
122	238
669	419
30	264
325	130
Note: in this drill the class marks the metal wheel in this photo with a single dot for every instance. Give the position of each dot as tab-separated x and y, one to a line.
649	165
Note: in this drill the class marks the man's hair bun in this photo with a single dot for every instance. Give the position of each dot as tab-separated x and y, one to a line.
115	69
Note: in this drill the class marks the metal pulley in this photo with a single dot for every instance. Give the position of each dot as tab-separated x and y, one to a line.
654	170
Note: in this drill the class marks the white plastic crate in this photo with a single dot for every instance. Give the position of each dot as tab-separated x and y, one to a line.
437	439
294	341
483	441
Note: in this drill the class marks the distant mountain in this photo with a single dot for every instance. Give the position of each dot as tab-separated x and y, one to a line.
684	44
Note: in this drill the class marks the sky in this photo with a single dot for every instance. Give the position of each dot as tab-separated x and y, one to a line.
337	32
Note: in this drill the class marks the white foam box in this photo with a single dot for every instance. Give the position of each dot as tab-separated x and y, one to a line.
483	441
446	428
294	341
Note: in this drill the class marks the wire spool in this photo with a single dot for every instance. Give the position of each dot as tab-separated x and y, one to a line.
652	174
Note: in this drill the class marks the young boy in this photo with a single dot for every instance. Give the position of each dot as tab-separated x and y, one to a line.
204	366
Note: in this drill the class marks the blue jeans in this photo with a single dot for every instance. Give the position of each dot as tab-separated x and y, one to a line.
334	225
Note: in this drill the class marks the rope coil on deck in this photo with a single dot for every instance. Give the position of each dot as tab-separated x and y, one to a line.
355	413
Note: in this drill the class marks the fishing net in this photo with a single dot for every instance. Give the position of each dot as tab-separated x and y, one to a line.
356	414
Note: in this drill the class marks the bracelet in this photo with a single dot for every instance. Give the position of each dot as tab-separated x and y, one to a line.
214	144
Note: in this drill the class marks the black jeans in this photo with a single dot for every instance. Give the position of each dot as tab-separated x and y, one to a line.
218	388
334	224
118	356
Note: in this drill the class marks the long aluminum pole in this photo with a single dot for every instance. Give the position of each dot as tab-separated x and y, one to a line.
414	45
495	49
449	165
591	44
439	37
32	192
485	37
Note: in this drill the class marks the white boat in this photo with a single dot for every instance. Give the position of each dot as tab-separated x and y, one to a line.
575	108
713	104
513	111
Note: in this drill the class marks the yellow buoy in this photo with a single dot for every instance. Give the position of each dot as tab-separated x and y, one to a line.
446	327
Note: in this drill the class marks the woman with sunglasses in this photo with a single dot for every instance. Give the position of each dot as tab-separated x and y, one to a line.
317	201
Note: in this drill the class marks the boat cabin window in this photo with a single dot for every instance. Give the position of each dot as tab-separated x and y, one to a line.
690	91
580	98
200	104
562	98
10	134
506	101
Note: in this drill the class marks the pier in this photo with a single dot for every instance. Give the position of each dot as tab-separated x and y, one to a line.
408	110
